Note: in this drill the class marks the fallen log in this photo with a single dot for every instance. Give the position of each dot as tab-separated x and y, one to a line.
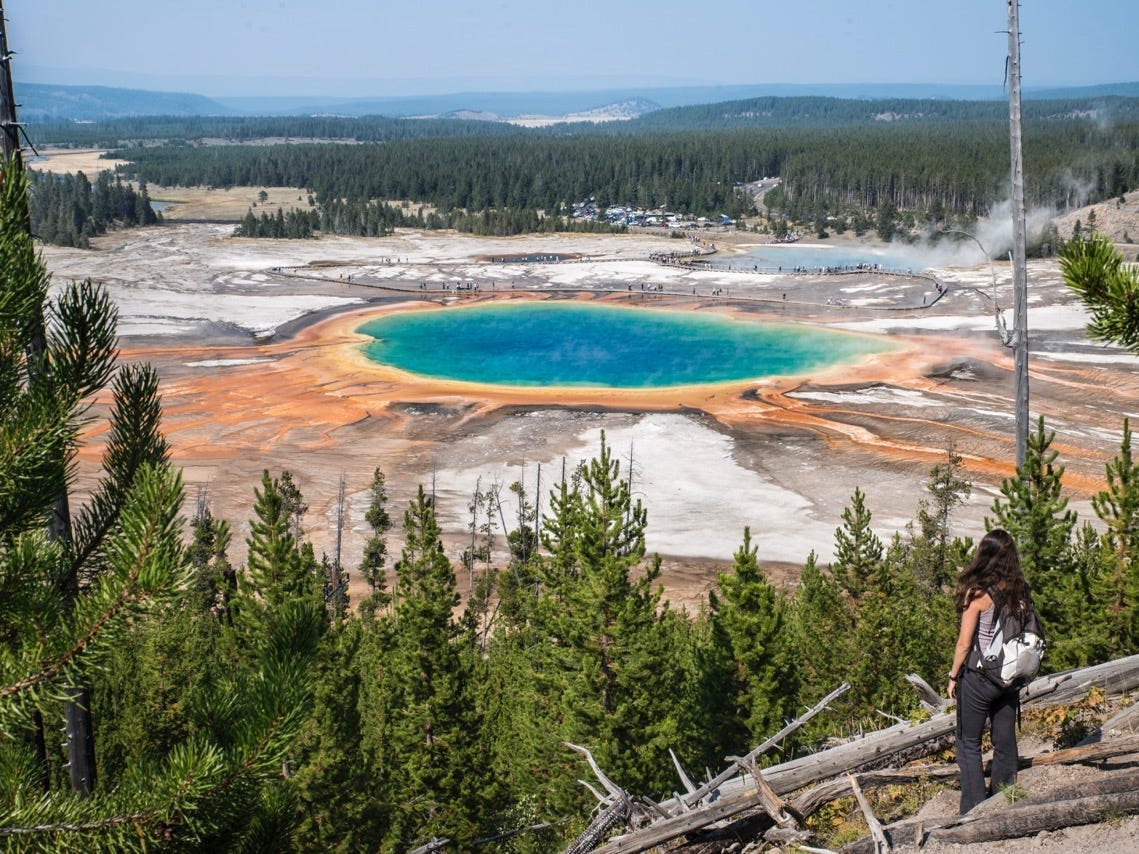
1085	753
806	770
1086	803
1114	677
809	802
1125	720
735	792
587	841
1034	818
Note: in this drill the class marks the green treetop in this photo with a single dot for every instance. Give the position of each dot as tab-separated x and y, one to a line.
748	624
72	600
1094	269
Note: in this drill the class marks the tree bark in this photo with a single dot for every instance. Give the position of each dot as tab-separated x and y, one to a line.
738	794
1086	803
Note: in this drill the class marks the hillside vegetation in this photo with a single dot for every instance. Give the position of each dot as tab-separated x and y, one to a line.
894	166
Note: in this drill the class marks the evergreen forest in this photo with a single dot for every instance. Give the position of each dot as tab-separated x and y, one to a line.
156	696
894	166
69	210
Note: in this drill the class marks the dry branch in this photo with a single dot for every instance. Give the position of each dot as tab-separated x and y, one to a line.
930	700
881	843
1084	803
736	793
735	767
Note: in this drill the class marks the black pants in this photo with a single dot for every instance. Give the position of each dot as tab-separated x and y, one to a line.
980	701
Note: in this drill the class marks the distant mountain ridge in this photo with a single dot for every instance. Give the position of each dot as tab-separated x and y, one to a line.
43	101
40	101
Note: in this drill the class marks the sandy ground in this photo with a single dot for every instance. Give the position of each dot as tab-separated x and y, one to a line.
260	369
63	161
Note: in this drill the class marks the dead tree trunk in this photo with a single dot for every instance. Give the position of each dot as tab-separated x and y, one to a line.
615	813
691	813
1034	818
1089	802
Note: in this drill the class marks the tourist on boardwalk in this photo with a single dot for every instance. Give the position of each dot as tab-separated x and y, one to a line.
991	582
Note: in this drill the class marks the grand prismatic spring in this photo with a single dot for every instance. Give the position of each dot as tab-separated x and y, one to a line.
563	344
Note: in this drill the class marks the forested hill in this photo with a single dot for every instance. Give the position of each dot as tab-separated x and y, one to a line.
767	112
100	103
839	112
41	101
955	169
898	163
240	129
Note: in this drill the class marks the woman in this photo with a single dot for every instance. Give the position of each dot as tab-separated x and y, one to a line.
992	582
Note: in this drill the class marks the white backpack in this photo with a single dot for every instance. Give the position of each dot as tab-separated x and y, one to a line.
1012	658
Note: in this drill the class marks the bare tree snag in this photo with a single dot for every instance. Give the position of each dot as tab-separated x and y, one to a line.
734	792
930	700
734	768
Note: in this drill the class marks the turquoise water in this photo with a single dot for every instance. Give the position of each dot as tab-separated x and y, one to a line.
570	344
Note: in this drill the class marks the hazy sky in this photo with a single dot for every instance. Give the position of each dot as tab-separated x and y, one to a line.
380	47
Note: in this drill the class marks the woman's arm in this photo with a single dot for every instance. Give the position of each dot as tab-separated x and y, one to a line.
969	619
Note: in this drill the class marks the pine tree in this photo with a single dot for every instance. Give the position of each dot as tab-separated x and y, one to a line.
1117	505
934	554
748	625
902	627
858	551
425	722
1104	634
278	568
215	578
593	656
294	503
73	602
1034	510
607	627
822	624
376	547
335	785
1095	270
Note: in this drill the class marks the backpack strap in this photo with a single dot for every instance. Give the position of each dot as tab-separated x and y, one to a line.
996	626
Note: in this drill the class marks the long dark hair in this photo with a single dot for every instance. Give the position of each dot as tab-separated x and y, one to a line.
995	569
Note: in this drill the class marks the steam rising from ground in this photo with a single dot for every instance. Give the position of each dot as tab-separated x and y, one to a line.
952	248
